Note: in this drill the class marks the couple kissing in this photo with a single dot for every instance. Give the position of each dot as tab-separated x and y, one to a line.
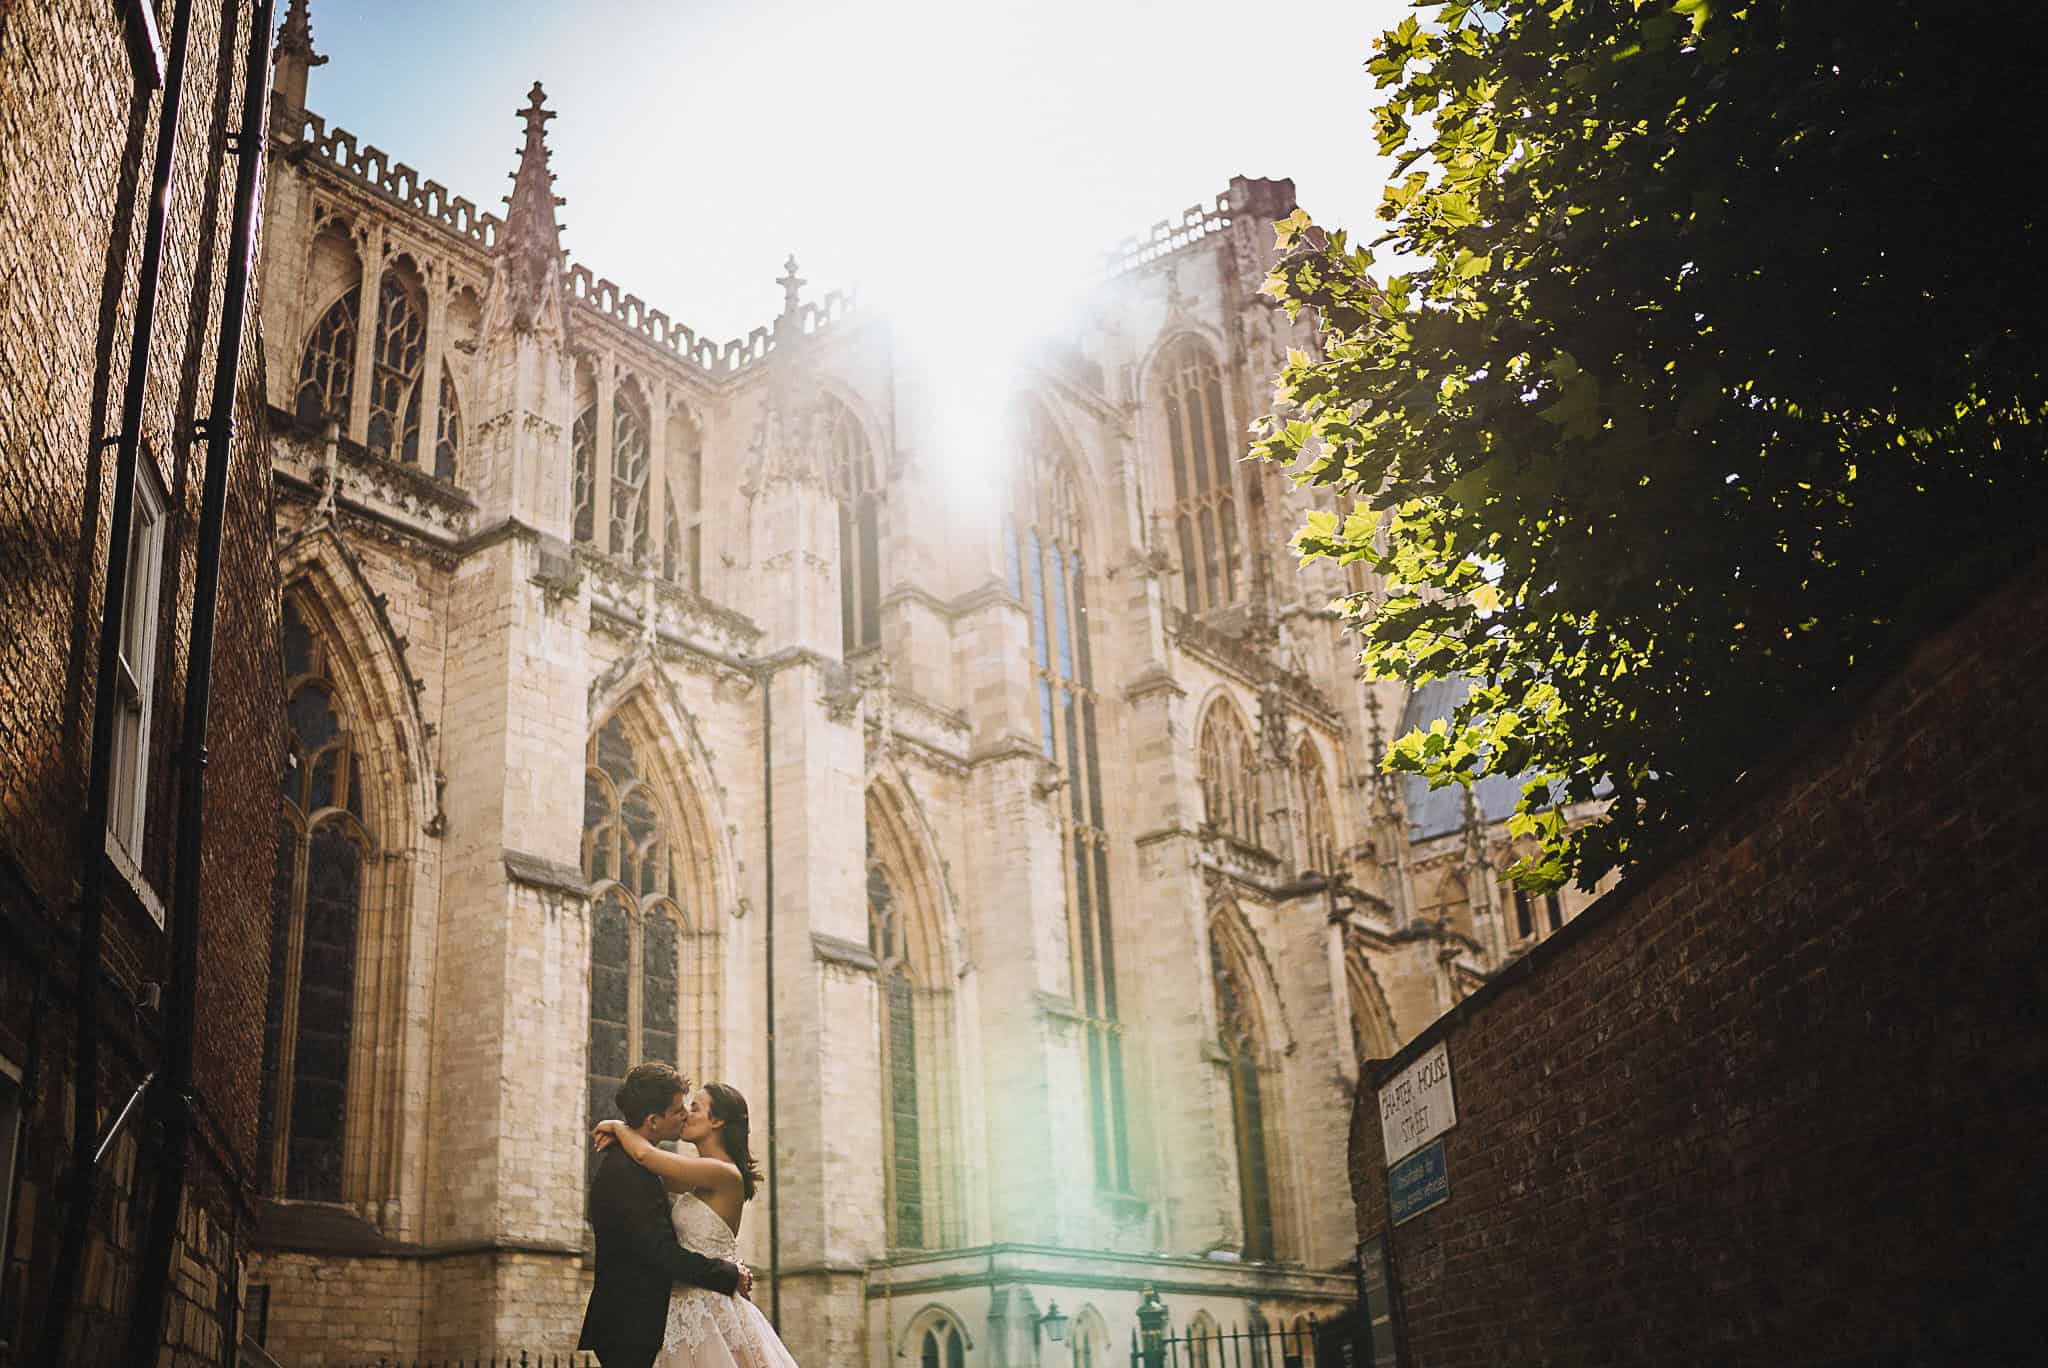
670	1291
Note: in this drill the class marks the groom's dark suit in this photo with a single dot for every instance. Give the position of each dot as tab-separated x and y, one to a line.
638	1260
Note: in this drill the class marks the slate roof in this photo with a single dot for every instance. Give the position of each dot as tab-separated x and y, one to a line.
1437	812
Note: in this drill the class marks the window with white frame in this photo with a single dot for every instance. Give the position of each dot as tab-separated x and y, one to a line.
135	666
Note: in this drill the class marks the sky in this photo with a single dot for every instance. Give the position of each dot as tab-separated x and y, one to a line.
978	155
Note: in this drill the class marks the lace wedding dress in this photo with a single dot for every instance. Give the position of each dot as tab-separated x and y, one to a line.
708	1329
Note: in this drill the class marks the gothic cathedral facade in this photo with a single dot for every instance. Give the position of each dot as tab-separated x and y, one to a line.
650	700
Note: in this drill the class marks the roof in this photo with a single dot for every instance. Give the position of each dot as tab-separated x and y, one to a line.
1438	812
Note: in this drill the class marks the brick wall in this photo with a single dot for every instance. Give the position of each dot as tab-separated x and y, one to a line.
1779	1099
77	138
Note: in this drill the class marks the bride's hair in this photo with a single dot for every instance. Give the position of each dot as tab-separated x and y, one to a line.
728	1106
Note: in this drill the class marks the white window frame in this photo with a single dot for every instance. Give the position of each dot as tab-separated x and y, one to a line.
134	679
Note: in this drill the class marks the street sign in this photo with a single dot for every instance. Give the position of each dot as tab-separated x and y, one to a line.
1416	1105
1418	1183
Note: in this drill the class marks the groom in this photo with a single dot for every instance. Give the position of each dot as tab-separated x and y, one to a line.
638	1256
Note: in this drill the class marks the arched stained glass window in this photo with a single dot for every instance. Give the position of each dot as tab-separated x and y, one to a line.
328	365
394	429
448	440
323	850
651	963
1228	765
1239	1034
1048	568
1318	832
855	486
631	460
1204	454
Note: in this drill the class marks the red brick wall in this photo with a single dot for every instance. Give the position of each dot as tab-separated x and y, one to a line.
1780	1100
76	155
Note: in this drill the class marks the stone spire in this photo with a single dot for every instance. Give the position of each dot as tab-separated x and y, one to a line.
529	256
295	56
792	286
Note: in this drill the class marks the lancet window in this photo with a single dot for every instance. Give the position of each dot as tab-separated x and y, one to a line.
1228	765
1525	912
324	849
1048	569
448	439
652	960
328	365
1205	1347
942	1346
917	1033
1204	463
583	474
855	486
1239	1034
401	342
683	533
631	461
1318	832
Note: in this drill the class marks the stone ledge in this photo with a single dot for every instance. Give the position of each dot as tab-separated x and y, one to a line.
537	871
836	950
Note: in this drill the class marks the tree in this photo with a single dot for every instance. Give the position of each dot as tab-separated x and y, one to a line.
1719	382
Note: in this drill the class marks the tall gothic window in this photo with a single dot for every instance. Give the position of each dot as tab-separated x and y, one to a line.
448	440
395	368
583	480
323	851
855	486
328	366
1229	775
1238	1033
899	1060
682	538
1318	832
631	461
1048	570
1205	501
917	1037
650	964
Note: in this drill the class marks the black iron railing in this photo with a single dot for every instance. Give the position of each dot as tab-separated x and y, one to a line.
1262	1346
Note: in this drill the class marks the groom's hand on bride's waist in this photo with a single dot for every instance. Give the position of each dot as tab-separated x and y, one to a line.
746	1287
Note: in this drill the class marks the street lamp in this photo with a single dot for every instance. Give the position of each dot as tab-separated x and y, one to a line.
1053	1323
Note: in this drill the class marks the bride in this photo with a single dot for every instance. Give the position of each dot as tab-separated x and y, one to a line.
707	1329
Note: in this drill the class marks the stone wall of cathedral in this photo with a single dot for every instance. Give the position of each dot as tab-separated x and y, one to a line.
683	688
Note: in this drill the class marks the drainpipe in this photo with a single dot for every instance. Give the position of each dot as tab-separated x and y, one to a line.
768	915
99	776
172	1097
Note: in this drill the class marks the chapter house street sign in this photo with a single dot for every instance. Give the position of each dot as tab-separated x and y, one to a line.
1416	1105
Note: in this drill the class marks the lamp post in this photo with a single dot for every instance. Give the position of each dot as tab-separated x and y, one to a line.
1152	1328
1053	1324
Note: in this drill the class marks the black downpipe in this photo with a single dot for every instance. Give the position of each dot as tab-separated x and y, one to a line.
99	778
173	1094
768	932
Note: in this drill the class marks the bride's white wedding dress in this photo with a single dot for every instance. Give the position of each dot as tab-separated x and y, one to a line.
709	1329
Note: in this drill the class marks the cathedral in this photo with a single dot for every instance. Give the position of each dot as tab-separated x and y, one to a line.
1028	868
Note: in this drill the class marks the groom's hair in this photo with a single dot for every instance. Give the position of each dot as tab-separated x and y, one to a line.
647	1089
